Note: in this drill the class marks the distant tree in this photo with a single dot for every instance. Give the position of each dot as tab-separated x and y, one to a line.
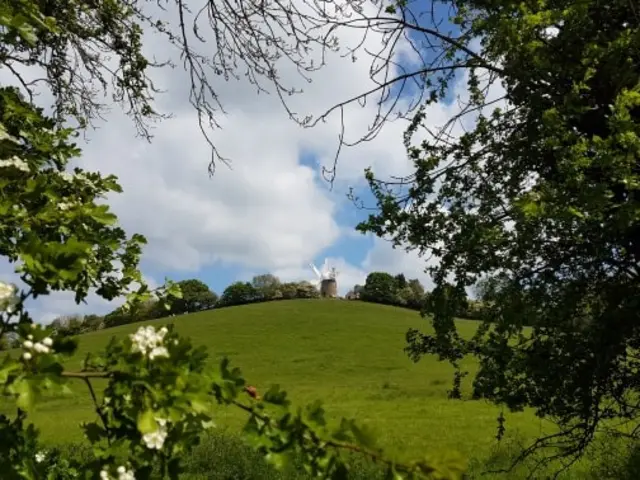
405	297
306	290
289	290
401	281
380	287
93	322
416	298
9	341
447	297
196	296
352	295
475	310
238	293
267	286
357	289
67	325
117	317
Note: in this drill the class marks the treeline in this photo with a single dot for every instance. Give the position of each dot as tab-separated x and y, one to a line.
196	297
387	289
379	287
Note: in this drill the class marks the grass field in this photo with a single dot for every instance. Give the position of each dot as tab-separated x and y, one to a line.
348	354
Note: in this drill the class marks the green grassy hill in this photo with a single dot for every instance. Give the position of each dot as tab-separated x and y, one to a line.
348	354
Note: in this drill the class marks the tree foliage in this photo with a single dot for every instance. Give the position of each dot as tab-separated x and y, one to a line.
540	196
196	296
60	236
238	293
380	287
267	285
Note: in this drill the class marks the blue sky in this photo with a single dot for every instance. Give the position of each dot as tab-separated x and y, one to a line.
273	211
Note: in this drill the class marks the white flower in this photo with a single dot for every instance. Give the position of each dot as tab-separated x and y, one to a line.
40	456
124	474
104	475
155	440
66	176
47	341
40	348
15	162
149	342
158	352
26	356
65	206
28	344
29	337
8	296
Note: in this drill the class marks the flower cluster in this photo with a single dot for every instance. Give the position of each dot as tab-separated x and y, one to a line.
8	297
123	474
155	440
149	342
43	346
40	457
15	162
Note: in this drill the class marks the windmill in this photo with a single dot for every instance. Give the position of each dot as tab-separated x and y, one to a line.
326	280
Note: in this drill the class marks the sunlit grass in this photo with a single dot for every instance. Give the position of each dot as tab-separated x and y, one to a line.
348	354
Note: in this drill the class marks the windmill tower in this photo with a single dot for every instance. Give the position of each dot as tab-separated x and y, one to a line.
326	280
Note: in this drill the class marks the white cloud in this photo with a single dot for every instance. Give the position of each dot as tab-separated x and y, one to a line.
269	212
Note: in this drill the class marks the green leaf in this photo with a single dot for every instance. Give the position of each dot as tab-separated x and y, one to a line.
146	422
6	371
24	392
363	435
93	432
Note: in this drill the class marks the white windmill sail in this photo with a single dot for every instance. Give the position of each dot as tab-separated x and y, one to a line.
316	271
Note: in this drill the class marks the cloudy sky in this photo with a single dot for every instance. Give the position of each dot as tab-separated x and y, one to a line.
271	211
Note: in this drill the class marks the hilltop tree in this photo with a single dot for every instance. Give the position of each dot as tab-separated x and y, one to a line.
306	290
196	296
267	285
543	193
380	287
238	293
289	290
401	281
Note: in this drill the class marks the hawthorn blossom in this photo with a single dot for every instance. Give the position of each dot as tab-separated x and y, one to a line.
40	457
149	342
15	162
155	440
123	474
8	297
38	347
158	352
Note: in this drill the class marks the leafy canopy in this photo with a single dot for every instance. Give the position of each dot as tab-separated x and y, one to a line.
542	198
